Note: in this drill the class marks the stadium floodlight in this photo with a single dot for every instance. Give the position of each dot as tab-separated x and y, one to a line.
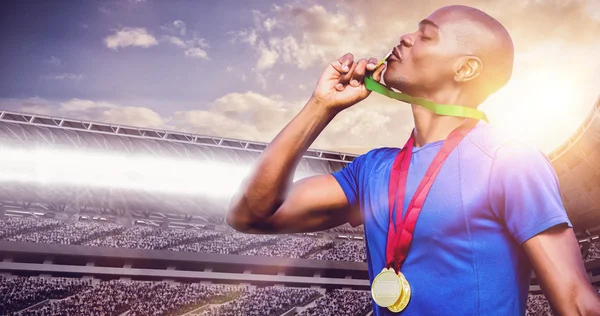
52	166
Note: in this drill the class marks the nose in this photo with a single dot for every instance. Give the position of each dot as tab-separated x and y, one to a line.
406	40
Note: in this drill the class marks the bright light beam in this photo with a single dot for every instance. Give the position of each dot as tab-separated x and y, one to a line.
95	169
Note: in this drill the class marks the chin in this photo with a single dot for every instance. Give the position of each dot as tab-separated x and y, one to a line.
396	81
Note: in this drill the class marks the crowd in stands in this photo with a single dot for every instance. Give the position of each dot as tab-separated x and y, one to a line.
72	296
537	305
73	233
593	252
102	234
13	226
341	303
129	238
183	298
348	229
19	293
232	243
138	298
153	238
268	301
291	247
344	251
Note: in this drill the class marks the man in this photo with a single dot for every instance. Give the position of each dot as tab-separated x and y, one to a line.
493	212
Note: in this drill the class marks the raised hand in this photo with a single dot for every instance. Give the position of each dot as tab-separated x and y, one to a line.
341	85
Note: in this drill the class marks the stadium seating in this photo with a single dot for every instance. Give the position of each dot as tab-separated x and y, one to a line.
72	296
39	296
90	233
340	302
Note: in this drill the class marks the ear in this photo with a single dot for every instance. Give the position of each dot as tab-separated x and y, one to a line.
468	68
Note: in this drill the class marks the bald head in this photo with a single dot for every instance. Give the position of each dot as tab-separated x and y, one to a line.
458	52
481	35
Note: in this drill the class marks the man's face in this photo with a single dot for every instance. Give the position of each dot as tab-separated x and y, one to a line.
424	61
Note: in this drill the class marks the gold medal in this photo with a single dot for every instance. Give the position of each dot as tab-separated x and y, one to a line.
402	302
386	288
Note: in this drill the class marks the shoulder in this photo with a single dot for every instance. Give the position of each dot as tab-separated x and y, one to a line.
499	146
380	153
377	157
373	160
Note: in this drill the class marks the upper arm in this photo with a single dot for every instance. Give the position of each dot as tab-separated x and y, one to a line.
319	202
314	204
524	194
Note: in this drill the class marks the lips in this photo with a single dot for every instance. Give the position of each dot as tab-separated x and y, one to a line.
396	53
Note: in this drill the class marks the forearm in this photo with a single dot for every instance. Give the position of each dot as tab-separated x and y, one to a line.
588	303
265	188
555	257
578	299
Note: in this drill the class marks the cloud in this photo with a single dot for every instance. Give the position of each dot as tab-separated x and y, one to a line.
254	116
135	37
54	61
247	115
80	105
65	76
174	40
314	35
82	109
194	47
310	35
267	58
196	52
133	116
244	36
177	26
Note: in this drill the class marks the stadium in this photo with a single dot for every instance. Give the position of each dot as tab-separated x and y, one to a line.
105	219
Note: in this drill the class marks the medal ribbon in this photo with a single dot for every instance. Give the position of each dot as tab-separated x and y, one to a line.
400	235
441	109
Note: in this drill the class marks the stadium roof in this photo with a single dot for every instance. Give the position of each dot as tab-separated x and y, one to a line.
577	163
23	130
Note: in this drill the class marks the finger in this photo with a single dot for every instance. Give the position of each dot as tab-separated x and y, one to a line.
359	72
345	78
344	63
372	63
378	71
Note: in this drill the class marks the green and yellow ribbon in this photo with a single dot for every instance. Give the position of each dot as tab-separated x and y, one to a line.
441	109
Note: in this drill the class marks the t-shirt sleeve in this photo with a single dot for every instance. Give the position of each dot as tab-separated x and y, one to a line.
349	179
524	192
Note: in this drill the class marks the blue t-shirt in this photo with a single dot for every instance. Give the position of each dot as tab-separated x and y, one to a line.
466	258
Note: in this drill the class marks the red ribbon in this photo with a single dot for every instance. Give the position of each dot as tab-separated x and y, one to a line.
400	235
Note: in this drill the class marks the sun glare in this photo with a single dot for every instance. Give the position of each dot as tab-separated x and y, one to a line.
542	108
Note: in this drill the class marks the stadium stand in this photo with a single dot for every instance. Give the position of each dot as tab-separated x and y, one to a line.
344	251
20	293
577	165
175	239
87	250
340	302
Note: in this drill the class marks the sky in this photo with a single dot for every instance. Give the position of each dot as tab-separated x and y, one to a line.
243	69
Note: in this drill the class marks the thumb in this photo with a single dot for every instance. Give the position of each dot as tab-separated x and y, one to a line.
378	71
